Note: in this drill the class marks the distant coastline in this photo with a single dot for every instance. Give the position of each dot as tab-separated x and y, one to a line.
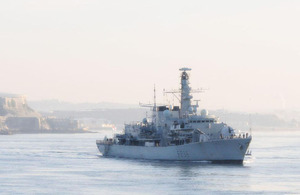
11	132
54	116
270	129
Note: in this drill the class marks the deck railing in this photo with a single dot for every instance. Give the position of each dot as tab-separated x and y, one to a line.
237	136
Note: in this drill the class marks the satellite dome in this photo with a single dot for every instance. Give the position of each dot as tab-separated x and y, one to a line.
167	113
145	121
204	112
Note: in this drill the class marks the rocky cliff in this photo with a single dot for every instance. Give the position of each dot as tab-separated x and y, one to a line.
17	116
16	106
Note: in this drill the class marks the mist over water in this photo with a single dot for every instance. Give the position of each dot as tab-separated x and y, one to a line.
246	53
71	164
96	60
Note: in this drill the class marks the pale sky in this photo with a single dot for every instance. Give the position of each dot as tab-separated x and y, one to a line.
246	52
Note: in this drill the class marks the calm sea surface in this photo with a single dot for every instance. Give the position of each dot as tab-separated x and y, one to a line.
70	164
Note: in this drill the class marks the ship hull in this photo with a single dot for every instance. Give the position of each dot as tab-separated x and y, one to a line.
220	151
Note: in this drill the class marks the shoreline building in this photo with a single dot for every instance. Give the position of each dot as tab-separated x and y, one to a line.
17	117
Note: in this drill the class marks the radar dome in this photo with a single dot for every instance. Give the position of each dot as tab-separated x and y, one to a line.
191	109
145	121
204	112
167	113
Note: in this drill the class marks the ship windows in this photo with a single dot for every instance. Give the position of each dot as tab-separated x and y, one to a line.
203	121
162	108
175	108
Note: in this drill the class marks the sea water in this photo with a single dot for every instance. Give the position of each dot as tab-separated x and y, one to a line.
71	164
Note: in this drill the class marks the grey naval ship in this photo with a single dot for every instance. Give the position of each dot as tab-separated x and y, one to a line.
178	133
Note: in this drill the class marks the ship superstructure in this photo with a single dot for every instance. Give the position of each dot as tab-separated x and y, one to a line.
178	133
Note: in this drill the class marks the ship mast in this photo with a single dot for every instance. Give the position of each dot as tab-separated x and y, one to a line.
185	94
154	106
154	99
185	102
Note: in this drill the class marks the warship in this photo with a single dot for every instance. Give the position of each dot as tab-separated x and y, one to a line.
178	133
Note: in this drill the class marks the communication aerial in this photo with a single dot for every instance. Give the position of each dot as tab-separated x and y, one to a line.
185	69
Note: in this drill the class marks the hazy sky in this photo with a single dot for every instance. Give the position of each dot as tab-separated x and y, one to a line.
246	52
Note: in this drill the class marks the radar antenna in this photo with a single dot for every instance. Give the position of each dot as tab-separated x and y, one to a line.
185	93
154	99
185	69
